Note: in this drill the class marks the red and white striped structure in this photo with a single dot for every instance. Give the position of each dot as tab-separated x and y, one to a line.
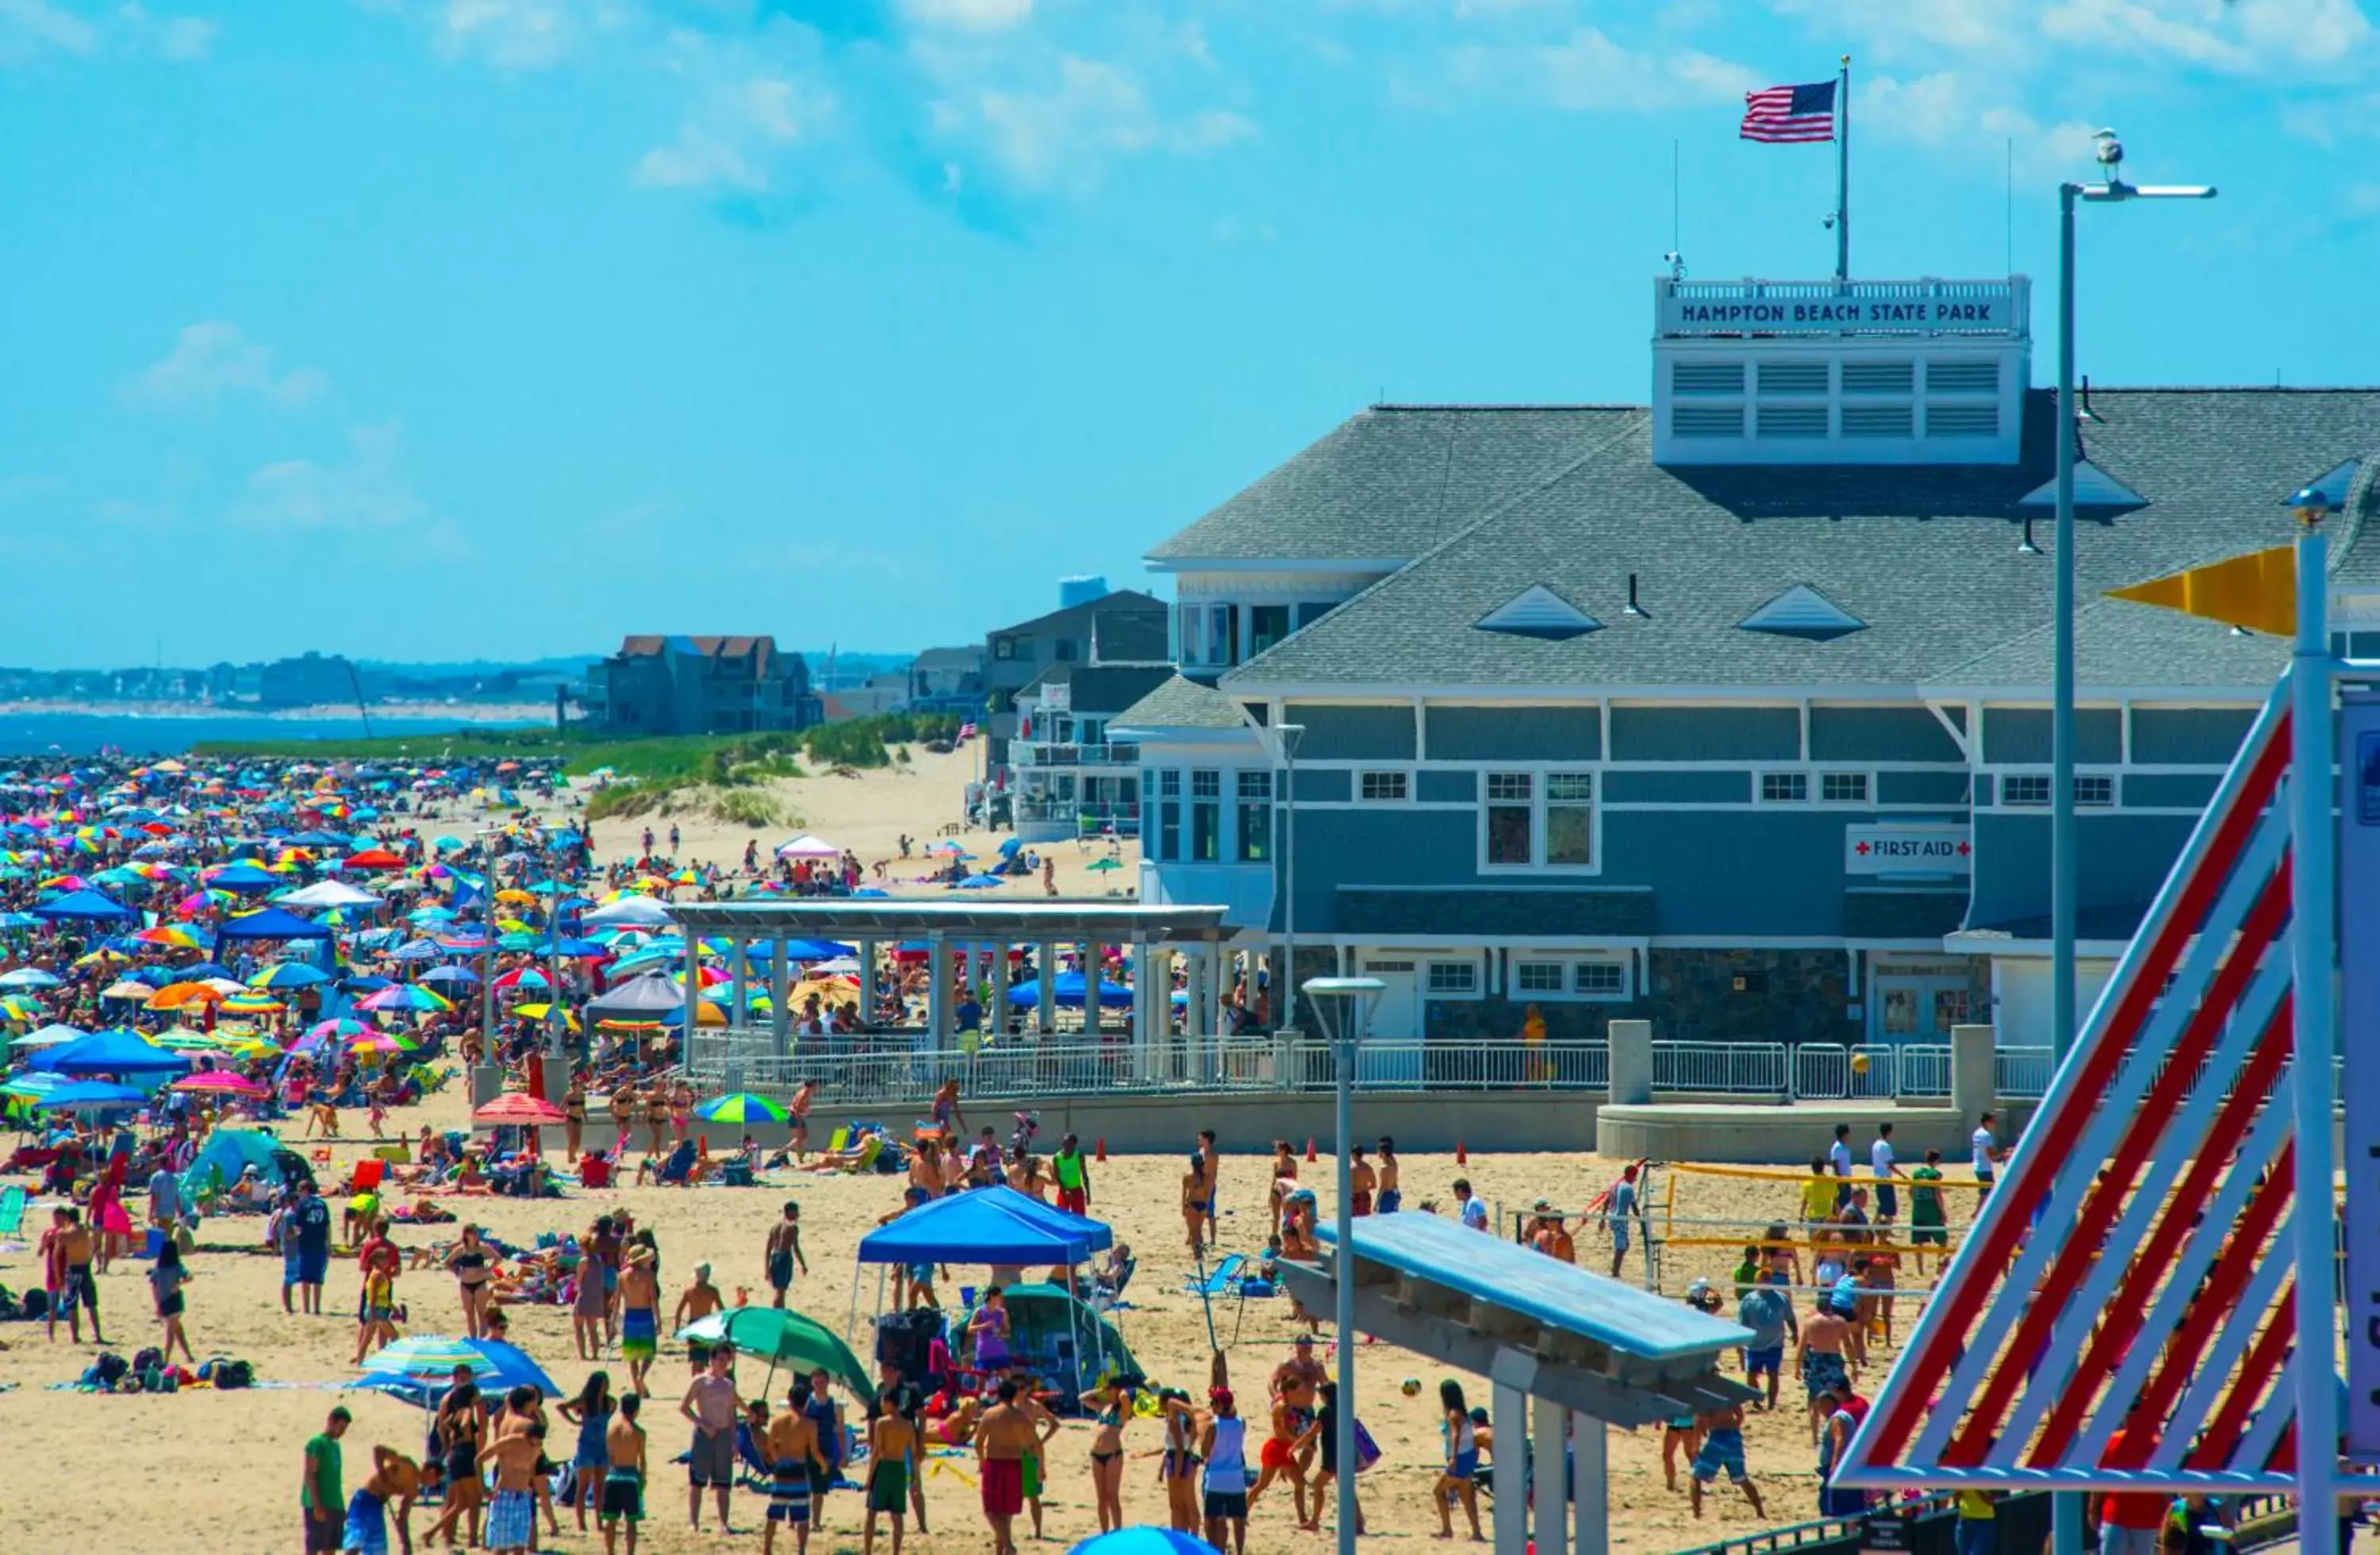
2137	1267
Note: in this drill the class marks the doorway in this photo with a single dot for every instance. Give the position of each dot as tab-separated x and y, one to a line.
1920	1004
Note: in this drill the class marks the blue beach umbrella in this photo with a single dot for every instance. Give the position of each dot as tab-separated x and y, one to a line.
1147	1541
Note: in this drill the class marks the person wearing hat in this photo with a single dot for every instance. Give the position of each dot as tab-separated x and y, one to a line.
699	1300
1223	1445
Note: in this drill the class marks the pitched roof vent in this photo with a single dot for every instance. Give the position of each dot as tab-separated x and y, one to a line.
1803	612
1538	611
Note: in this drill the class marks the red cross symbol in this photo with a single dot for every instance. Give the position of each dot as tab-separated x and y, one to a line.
1965	848
1861	849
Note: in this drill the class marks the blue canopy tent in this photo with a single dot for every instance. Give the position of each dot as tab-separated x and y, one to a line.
84	906
272	923
996	1226
1067	989
117	1052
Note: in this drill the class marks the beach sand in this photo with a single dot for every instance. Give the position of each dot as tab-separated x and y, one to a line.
869	813
206	1471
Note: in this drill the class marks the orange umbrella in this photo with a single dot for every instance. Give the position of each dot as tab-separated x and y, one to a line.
178	996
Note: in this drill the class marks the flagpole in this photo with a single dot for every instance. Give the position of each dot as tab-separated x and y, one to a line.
1843	174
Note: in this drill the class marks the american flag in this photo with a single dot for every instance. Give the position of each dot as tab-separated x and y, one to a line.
966	732
1789	114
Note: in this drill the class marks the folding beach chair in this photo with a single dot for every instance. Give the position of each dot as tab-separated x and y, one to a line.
12	1209
1223	1279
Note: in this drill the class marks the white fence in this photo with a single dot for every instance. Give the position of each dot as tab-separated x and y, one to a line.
1723	1068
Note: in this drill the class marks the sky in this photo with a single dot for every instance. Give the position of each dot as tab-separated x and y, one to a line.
445	329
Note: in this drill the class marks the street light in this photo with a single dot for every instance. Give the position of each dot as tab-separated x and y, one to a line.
1285	738
1343	1006
2066	1509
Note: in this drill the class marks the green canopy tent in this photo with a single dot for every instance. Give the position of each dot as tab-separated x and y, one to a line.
1062	1337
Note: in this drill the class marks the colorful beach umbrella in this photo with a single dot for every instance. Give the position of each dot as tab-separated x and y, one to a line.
517	1106
741	1107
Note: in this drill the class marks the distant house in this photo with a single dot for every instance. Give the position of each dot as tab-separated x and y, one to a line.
1123	627
310	681
1070	779
947	680
679	685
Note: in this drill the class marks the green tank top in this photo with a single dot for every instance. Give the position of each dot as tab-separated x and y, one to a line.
1069	1170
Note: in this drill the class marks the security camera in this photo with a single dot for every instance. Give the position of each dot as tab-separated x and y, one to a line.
1677	263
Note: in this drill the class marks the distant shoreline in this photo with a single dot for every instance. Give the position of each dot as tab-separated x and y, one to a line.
449	712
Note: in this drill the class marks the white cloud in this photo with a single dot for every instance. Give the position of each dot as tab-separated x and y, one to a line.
1588	72
2130	27
175	38
29	29
521	35
730	143
969	16
364	490
1064	131
1945	111
214	360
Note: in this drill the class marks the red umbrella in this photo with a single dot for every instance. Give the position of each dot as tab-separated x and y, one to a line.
372	858
517	1108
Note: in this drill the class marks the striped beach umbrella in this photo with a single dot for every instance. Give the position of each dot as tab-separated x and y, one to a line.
741	1107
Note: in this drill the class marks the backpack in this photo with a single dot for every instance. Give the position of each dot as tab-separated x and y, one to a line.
35	1306
149	1359
107	1370
234	1374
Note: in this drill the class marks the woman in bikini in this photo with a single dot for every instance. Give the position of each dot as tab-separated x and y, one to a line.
1177	1468
1279	1457
1111	1410
468	1260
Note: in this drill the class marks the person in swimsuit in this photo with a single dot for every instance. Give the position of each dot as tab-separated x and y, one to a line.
1224	1444
639	1315
1324	1434
574	1117
892	1444
589	1302
784	1251
1391	1198
793	1454
1361	1181
1819	1349
624	1475
699	1300
681	1110
947	1115
1279	1458
799	1113
1177	1468
591	1412
512	1517
1004	1437
469	1260
1110	1409
1722	1449
461	1423
1457	1479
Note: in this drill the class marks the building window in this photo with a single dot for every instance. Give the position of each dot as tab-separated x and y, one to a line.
1311	610
1223	634
1537	976
1784	789
1254	816
1569	820
1510	819
1065	650
2094	788
1206	816
2024	788
1381	788
1843	788
1453	978
1004	648
1600	980
1169	816
1267	624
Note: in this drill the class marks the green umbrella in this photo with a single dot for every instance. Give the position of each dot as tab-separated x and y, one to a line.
1100	866
787	1339
743	1107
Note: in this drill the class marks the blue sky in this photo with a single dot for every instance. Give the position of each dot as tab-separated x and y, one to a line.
450	328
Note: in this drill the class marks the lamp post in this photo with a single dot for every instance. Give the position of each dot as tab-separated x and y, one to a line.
2066	1509
1285	738
1344	1005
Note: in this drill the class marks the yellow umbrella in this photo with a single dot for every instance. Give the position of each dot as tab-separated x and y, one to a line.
538	1012
513	894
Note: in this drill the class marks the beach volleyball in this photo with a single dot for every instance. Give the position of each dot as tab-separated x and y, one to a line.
1410	1387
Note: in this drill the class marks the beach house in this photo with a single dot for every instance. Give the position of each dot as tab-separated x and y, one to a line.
1730	709
677	685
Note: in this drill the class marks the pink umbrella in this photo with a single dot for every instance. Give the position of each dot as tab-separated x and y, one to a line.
219	1080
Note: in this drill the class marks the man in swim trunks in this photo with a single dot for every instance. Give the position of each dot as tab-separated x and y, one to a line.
1819	1349
793	1452
624	1475
1390	1200
1003	1438
947	1115
512	1516
699	1300
78	1286
1297	1383
639	1317
395	1478
1074	1174
710	1407
1722	1449
1210	1166
1361	1181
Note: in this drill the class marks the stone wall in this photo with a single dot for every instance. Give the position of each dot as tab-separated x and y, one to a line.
1787	996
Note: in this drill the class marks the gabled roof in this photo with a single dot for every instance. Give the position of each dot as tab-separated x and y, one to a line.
1926	556
1180	703
1075	620
1391	481
761	649
1103	689
967	657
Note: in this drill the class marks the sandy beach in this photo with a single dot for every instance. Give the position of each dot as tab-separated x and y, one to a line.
219	1472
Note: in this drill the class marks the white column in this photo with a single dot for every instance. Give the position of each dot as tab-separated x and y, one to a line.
738	984
1045	974
780	989
1591	1530
1510	1413
1552	1502
1144	1029
938	992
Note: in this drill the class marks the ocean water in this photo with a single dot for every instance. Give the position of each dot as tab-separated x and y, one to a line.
83	733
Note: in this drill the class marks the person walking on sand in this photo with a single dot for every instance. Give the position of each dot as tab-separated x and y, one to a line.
78	1286
1821	1350
591	1412
710	1407
893	1443
1457	1480
948	1115
699	1300
639	1315
1110	1408
1324	1433
1722	1449
1618	1212
1074	1174
1225	1446
166	1278
798	1115
512	1516
793	1454
1361	1182
1885	1167
782	1252
1278	1459
1213	1165
319	1494
623	1475
1003	1436
312	1218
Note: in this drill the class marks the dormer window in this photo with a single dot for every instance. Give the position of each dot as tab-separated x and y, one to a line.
1538	611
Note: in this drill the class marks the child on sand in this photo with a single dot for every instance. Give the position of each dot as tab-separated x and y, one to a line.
891	1444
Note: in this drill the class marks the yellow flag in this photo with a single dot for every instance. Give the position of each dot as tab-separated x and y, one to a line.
2258	591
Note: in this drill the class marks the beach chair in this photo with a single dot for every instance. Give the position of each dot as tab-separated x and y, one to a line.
1223	1279
868	1154
12	1209
840	1140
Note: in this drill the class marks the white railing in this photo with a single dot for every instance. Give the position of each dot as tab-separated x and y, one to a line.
2021	1074
1054	753
1925	1070
1723	1068
1827	1072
